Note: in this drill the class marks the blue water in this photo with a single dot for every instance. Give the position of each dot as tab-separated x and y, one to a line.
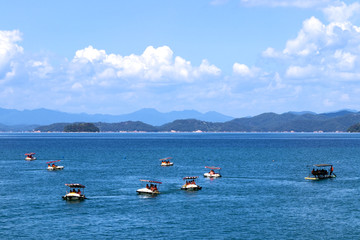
262	194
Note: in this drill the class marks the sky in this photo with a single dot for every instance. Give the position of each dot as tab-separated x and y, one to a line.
237	57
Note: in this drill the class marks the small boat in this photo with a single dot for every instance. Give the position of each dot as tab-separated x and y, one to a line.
149	189
190	185
30	156
322	171
165	162
212	173
53	167
74	193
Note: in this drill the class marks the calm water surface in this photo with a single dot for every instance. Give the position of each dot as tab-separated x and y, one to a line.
262	195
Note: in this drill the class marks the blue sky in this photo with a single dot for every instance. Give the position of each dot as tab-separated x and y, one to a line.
237	57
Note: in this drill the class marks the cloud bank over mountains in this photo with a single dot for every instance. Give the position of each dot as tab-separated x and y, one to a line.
317	70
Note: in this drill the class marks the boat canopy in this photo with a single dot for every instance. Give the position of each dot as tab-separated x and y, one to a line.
163	159
28	154
214	168
185	178
53	161
150	181
74	185
322	165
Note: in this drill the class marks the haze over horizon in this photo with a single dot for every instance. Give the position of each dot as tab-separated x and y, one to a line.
236	57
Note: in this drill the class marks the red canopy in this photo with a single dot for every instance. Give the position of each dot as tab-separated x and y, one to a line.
189	178
53	161
165	158
74	185
150	181
217	168
27	154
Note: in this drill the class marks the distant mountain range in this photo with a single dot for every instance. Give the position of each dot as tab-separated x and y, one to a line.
146	115
266	122
186	122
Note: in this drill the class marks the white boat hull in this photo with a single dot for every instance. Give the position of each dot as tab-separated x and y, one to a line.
55	168
167	164
320	177
146	191
191	187
216	175
73	197
30	159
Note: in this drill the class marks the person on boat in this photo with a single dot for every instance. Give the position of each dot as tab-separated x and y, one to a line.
49	165
147	186
155	188
53	165
211	172
331	170
73	190
78	191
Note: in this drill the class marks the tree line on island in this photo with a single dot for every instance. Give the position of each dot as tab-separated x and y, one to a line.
343	121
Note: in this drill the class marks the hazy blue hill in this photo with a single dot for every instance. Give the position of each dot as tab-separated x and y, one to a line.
293	122
17	128
266	122
339	113
146	115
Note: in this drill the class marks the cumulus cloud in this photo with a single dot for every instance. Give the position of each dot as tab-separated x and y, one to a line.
341	12
9	49
326	51
244	71
154	64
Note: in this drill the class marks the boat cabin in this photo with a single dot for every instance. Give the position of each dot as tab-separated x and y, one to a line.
53	167
190	184
30	156
150	188
321	171
76	192
165	162
212	173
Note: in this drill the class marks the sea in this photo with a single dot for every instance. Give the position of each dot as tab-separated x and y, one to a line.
262	193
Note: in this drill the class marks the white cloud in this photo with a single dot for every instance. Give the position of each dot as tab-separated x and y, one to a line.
287	3
244	71
345	60
341	12
300	72
154	64
40	69
272	53
89	54
308	40
9	49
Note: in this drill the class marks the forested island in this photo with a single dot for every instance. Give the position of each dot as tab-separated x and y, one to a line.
81	127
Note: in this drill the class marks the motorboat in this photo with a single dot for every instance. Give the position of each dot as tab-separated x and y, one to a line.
149	189
190	184
30	156
212	173
165	162
53	167
75	192
321	171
